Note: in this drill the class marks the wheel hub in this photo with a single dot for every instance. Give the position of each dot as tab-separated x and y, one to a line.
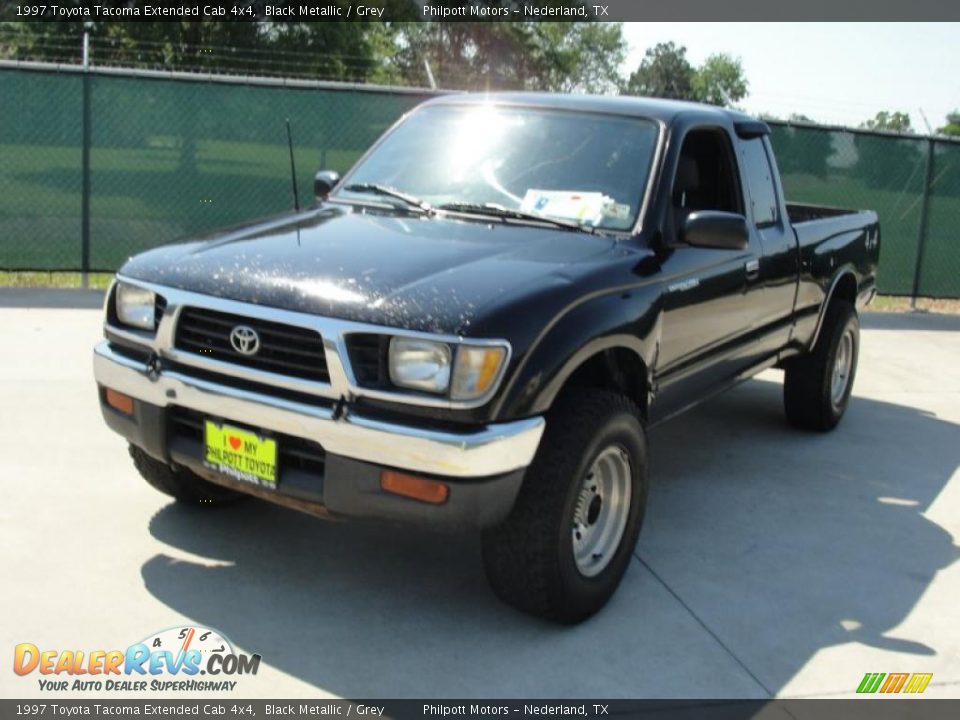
842	368
602	509
593	512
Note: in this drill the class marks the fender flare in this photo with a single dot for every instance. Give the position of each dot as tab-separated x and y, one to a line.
828	298
548	394
627	317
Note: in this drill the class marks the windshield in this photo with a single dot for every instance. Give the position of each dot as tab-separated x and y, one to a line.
582	167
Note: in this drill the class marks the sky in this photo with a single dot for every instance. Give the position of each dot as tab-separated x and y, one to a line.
835	73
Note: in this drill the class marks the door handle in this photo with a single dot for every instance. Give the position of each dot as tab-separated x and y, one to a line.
753	269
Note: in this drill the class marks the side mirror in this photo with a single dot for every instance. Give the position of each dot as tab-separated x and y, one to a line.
323	182
715	229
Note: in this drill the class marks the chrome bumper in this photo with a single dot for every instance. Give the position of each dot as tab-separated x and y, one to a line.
493	450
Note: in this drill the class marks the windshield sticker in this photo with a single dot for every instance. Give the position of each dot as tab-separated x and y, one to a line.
617	211
584	207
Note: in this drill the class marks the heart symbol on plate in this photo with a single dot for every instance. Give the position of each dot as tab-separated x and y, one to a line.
234	442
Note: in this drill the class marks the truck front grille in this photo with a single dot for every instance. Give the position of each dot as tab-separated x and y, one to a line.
283	349
368	358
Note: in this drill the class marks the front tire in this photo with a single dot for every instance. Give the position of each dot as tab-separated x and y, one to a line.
817	386
182	484
566	544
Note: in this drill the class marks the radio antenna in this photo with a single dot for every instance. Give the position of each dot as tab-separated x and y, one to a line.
293	169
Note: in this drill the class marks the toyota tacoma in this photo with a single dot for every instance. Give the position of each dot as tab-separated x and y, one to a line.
476	325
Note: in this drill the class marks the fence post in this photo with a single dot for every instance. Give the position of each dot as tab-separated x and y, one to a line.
924	212
85	169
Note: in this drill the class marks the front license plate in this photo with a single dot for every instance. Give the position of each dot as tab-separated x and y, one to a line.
240	454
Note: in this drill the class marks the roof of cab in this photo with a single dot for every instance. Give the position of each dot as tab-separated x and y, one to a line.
653	108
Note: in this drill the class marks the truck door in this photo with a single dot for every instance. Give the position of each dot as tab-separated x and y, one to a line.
776	276
709	305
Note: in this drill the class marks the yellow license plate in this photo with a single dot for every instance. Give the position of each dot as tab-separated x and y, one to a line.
240	454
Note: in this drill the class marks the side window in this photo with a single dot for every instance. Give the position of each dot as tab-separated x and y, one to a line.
707	177
759	180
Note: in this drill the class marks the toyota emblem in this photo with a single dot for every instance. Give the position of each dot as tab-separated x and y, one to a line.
245	340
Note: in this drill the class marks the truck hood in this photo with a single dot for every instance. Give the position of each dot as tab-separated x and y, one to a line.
434	274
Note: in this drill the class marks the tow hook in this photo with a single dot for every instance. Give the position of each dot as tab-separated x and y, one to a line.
153	366
339	410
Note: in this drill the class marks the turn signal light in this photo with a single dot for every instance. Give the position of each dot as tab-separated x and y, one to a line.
120	402
428	491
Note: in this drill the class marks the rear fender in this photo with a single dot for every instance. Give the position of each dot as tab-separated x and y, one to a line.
844	286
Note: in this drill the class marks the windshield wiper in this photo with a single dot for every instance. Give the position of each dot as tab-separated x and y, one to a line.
375	189
509	213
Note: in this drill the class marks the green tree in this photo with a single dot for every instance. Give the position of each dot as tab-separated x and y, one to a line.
559	57
953	125
719	81
578	57
353	51
664	72
891	121
562	56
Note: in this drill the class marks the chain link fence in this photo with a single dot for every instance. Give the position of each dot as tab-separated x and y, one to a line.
168	156
912	182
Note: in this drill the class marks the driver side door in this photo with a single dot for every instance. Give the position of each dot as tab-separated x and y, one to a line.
710	294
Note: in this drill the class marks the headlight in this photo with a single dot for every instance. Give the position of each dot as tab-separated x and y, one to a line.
420	364
462	371
136	307
475	371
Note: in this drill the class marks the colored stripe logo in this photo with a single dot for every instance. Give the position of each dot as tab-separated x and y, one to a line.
894	683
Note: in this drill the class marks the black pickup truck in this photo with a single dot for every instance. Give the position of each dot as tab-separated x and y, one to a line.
475	326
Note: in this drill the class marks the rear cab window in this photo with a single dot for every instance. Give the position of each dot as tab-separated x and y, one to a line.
758	182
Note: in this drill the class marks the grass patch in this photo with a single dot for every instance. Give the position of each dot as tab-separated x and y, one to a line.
897	304
98	281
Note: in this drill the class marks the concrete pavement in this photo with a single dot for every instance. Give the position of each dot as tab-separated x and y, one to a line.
772	562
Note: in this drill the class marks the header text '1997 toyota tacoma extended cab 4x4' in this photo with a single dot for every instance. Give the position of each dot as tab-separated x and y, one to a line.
473	328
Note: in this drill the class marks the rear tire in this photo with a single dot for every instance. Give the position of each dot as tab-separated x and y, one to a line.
565	546
182	484
817	386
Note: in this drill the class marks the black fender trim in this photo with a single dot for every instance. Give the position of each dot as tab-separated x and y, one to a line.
841	273
611	342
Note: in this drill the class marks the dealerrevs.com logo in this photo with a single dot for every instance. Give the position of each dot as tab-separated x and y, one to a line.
178	659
